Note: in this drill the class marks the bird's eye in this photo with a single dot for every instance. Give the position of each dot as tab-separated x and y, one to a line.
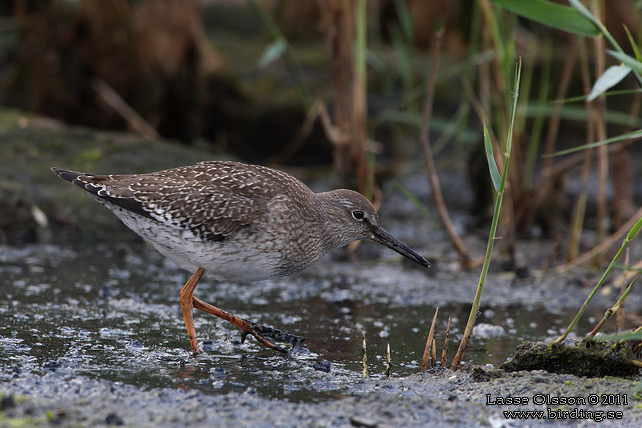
358	215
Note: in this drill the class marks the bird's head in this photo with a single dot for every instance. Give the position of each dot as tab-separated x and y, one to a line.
351	217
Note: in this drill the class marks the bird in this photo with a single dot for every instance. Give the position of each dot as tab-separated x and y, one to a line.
237	222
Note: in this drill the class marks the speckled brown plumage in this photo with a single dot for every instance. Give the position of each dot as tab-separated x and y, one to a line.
236	221
212	199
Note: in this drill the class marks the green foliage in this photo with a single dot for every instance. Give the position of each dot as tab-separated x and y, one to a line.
577	5
635	229
627	60
401	35
617	138
272	52
552	14
490	157
634	45
474	310
281	48
611	77
636	335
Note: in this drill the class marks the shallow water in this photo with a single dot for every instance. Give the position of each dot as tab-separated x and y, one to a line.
110	311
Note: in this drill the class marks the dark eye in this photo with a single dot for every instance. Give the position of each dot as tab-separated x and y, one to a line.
358	215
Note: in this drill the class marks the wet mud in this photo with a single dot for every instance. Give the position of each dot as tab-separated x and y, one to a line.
92	335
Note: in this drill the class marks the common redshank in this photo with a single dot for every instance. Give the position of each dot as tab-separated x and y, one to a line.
238	222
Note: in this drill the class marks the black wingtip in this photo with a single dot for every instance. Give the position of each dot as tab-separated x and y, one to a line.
66	174
87	183
74	178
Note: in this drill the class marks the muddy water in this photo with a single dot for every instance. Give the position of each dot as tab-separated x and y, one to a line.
109	311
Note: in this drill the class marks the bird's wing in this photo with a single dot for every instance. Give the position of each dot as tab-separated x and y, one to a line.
212	199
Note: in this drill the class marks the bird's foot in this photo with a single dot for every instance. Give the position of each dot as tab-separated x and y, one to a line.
268	336
264	333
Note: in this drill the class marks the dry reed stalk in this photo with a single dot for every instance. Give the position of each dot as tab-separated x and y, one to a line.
544	185
388	362
579	208
338	28
459	245
359	100
444	352
621	175
488	14
433	353
365	356
602	246
112	99
600	122
429	343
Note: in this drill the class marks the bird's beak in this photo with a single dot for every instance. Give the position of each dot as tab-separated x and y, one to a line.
381	236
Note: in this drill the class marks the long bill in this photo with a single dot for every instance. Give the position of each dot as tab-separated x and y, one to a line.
383	237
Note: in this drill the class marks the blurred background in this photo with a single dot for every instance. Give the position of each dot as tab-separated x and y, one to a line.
330	86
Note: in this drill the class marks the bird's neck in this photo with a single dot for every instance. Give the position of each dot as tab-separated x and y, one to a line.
328	214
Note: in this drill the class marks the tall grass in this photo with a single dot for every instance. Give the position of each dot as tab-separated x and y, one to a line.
583	22
630	236
499	184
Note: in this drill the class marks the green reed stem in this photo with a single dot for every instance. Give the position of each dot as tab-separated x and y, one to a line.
474	310
629	237
612	310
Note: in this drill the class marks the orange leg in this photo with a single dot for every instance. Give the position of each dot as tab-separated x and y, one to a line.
245	325
187	307
189	302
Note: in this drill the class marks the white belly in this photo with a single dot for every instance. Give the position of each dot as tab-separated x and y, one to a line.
232	259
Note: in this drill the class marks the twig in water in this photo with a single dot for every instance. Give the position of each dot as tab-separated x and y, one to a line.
429	342
365	356
444	352
433	353
388	364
